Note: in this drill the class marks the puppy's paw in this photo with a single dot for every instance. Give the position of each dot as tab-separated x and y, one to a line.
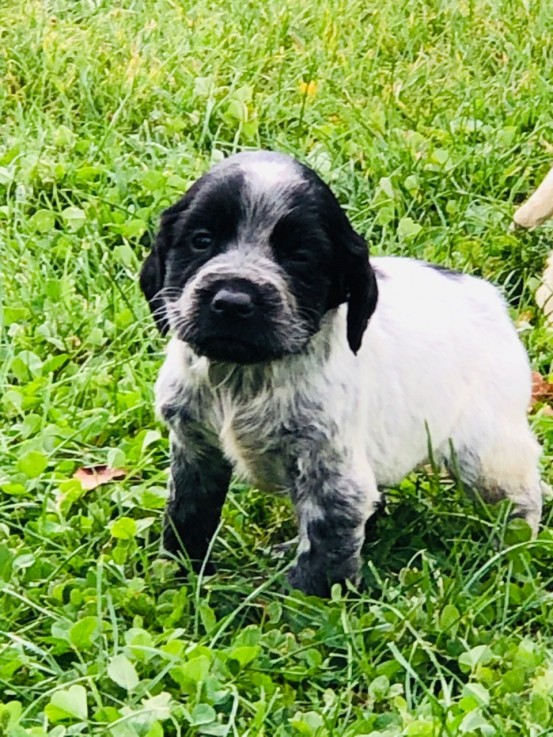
312	582
206	569
186	565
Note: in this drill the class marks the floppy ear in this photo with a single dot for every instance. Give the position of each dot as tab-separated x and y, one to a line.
361	288
354	278
152	274
152	277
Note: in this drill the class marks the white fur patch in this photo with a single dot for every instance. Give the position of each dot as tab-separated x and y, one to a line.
271	171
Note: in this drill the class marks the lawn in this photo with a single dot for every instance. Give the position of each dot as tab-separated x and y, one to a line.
431	119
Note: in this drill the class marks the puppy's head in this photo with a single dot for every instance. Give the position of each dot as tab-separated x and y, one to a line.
248	262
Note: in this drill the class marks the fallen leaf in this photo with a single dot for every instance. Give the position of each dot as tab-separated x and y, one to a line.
90	478
542	390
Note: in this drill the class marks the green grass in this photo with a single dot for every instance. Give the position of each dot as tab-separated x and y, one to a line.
430	119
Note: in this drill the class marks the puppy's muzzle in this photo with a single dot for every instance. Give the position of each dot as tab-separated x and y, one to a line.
236	321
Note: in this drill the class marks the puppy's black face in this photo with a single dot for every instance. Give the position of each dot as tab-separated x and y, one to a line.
247	264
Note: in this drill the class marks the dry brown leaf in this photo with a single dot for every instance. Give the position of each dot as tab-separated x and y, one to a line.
542	390
90	478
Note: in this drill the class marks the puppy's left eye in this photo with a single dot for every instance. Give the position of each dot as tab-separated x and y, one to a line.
299	259
201	241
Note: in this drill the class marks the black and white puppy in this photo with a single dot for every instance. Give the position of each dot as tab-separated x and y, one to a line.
308	370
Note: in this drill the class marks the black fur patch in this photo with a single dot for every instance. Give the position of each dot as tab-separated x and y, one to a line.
197	493
450	273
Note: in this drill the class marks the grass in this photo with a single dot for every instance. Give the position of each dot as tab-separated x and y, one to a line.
431	119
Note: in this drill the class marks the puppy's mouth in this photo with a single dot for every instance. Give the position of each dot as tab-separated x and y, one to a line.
229	349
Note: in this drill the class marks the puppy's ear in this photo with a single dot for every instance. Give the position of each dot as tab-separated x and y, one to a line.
361	288
152	277
152	274
354	278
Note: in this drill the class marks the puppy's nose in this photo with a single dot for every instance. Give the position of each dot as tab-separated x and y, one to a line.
232	304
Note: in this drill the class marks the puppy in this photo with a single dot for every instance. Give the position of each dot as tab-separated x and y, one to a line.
307	369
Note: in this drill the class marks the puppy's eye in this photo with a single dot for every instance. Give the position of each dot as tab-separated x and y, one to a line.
299	259
201	241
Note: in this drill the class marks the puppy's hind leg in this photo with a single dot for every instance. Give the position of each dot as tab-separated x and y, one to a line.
505	466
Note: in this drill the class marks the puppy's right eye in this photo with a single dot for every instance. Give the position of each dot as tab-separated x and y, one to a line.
299	259
201	241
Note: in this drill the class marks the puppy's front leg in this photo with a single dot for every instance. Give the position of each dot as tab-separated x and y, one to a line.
198	485
332	511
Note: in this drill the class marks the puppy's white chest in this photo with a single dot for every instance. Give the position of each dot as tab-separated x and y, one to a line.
254	447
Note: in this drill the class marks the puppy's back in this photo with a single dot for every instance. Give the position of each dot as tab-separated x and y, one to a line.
435	302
